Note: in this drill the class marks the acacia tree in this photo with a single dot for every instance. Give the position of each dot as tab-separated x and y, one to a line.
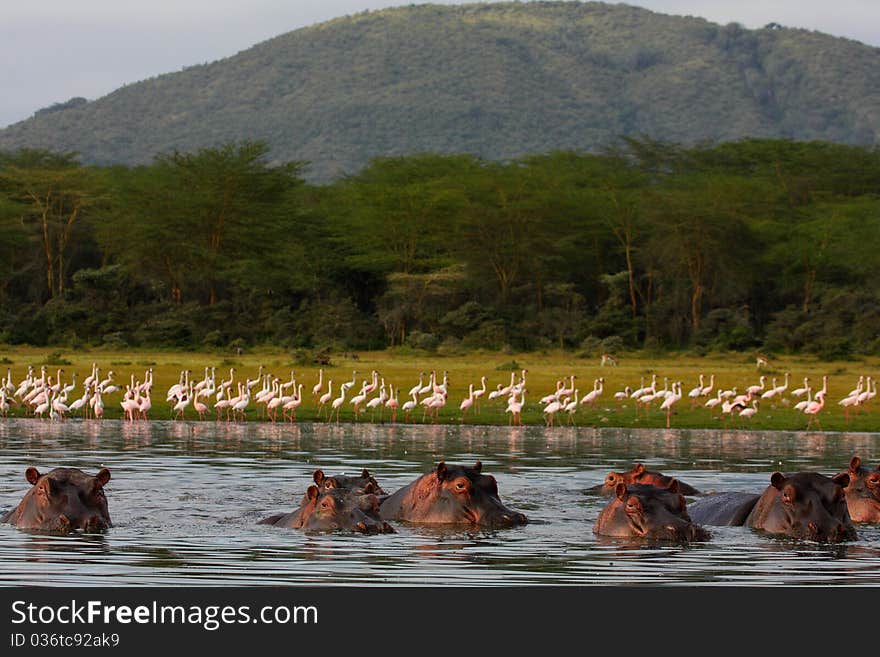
53	194
197	220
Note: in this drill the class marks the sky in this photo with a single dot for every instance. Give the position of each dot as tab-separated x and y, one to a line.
54	50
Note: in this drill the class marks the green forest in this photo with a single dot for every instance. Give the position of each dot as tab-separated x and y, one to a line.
753	244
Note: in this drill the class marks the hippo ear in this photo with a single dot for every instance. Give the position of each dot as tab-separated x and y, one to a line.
855	464
777	480
638	469
441	471
673	486
103	476
365	473
620	491
841	479
32	475
312	493
478	466
318	476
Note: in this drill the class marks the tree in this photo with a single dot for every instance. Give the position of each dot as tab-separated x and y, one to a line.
53	194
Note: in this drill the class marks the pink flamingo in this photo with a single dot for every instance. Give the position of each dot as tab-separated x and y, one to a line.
392	402
467	402
515	407
814	408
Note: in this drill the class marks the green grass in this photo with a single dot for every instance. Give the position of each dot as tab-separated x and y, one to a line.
543	370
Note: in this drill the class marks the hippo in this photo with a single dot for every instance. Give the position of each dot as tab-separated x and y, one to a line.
803	505
645	511
640	475
355	484
863	492
451	495
63	500
334	509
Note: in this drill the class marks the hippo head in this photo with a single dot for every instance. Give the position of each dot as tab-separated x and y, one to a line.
338	509
354	484
805	505
644	511
63	500
641	475
451	495
863	492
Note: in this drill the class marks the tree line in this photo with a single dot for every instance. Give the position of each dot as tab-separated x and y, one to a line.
766	244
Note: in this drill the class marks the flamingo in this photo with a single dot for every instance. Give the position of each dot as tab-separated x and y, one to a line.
416	389
433	405
772	391
240	407
515	407
357	400
571	407
755	390
695	392
750	411
712	403
199	407
546	399
326	397
591	397
316	389
814	408
337	404
130	405
850	401
467	402
622	395
180	406
145	403
566	392
78	404
98	406
292	404
800	392
801	405
392	402
478	394
550	411
408	406
378	402
671	401
709	388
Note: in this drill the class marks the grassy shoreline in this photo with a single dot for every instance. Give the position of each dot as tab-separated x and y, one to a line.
543	370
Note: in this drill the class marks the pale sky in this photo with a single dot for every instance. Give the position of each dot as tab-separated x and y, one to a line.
54	50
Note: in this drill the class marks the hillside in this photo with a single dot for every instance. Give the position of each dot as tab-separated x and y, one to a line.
497	80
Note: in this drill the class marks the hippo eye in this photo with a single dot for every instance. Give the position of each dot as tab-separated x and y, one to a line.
786	499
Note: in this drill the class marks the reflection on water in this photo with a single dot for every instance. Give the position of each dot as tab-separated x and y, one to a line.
185	498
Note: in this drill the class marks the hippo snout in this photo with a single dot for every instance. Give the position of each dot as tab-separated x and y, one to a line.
837	533
95	524
514	519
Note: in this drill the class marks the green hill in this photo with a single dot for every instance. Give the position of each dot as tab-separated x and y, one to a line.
497	80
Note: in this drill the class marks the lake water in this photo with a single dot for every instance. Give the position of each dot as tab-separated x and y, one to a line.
185	499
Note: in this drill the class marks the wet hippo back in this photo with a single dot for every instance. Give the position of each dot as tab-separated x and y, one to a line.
642	511
63	500
723	509
451	494
863	492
